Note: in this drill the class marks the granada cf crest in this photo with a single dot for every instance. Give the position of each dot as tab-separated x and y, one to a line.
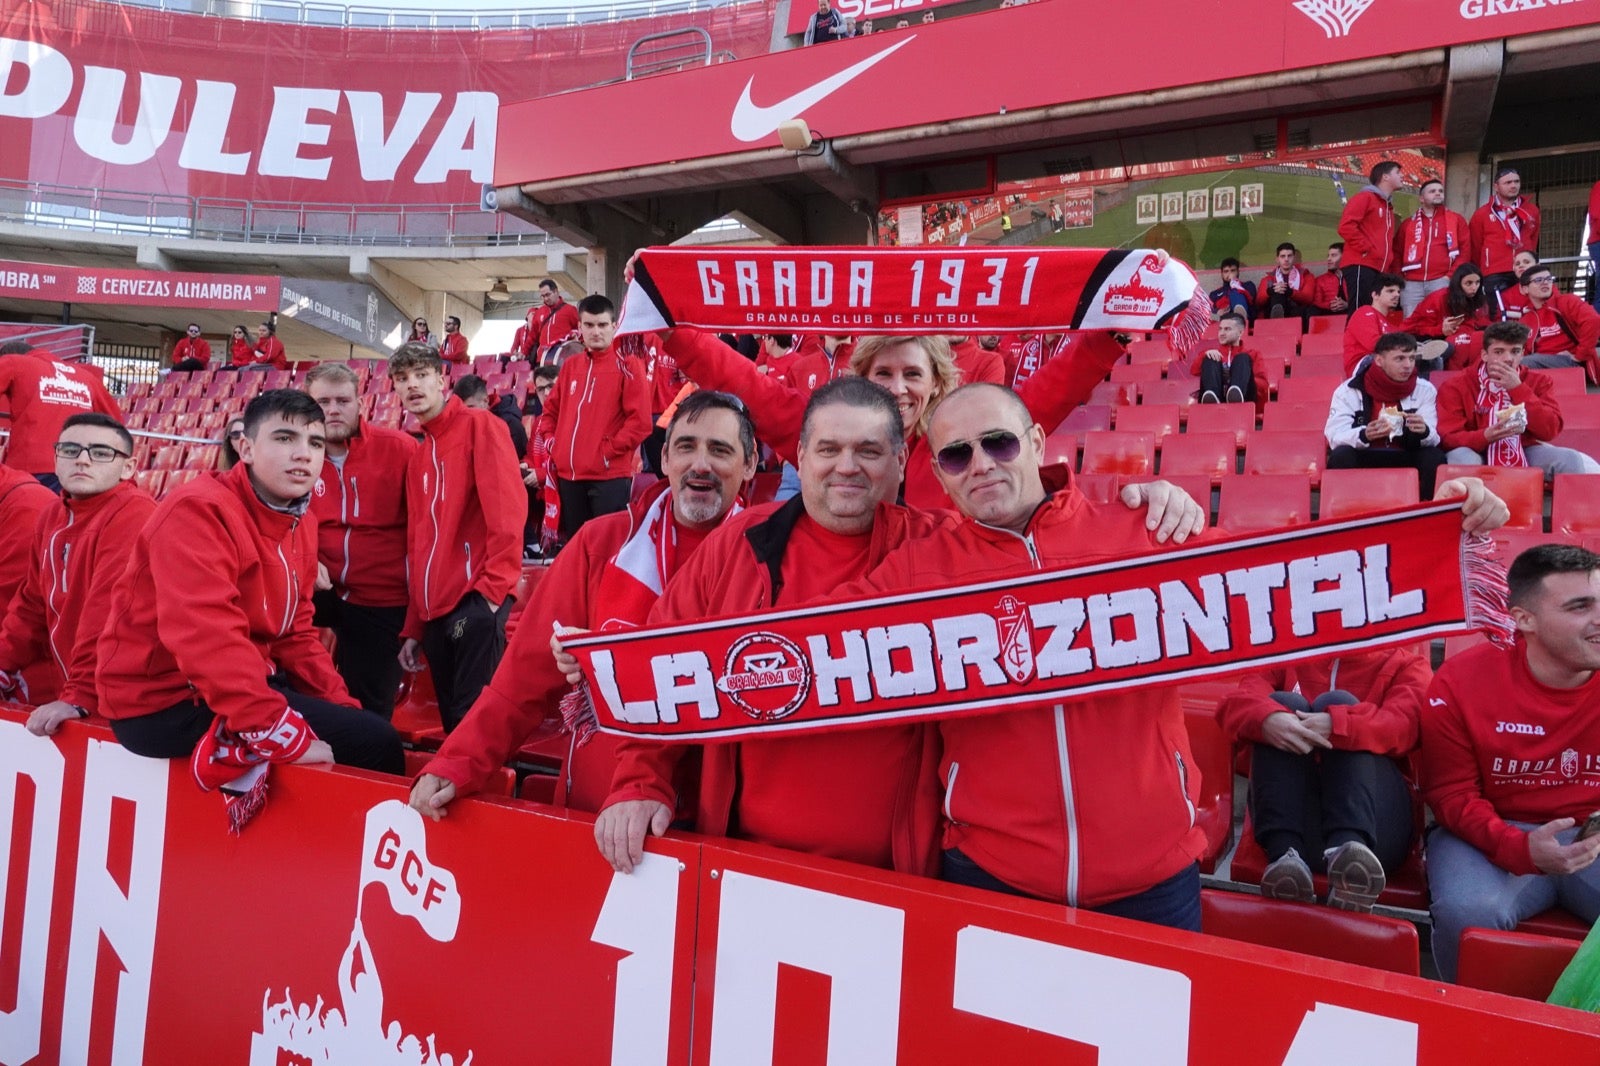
1569	763
766	676
1016	638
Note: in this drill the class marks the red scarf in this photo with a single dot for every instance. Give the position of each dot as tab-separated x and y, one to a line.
1492	399
1384	389
1049	636
912	291
237	763
1511	216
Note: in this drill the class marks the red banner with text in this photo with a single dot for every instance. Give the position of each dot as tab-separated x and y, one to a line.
67	283
344	928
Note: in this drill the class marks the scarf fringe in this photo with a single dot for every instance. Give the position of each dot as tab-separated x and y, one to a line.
242	807
1189	327
1484	581
578	715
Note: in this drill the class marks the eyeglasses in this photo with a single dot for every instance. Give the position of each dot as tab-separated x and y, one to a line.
235	434
1001	446
544	388
1542	279
98	453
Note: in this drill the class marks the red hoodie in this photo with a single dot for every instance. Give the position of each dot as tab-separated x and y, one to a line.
1083	803
598	414
1498	746
454	348
361	517
43	394
22	501
215	599
1565	324
268	350
80	549
1427	321
465	506
1499	231
198	349
1367	229
1361	333
1428	247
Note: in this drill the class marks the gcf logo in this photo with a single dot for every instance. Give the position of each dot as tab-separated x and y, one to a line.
1569	764
1016	638
766	676
1334	17
1135	298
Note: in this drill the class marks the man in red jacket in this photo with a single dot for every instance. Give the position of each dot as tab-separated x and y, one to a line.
1430	243
1287	291
454	348
208	652
1563	330
81	546
1229	372
1329	743
557	319
1511	759
42	393
597	415
1329	294
193	352
1501	228
359	501
1381	315
608	578
1503	414
465	507
1368	230
820	360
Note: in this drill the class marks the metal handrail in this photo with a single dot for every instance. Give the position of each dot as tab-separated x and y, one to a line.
701	56
99	210
355	16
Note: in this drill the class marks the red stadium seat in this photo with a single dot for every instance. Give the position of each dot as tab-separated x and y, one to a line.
1513	964
1346	493
1159	419
1585	439
1309	389
1567	382
1407	888
501	783
1281	350
167	457
1575	504
1061	447
1137	372
1324	325
1326	345
1343	936
1175	390
1113	394
1325	365
1082	420
1213	756
1099	488
1209	454
1555	922
1196	485
1156	351
1279	416
1236	418
538	788
1521	487
1276	327
1259	502
1286	452
1118	453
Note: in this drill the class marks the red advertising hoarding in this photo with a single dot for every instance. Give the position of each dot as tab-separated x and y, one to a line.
66	283
127	98
343	927
1007	61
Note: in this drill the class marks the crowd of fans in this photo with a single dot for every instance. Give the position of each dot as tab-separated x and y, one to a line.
192	623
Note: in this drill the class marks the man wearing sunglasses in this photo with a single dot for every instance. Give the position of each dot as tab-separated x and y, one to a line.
868	796
193	352
607	578
1564	329
81	546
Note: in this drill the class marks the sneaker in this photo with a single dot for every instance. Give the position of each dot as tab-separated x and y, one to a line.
1289	878
1355	877
1235	394
1210	397
1276	312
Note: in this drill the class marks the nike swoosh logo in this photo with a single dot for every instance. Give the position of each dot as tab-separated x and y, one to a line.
753	123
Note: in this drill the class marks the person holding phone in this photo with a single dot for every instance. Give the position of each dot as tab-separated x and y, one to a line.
1510	759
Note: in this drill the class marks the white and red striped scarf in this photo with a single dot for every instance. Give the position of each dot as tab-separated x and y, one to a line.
237	763
1492	399
912	291
1511	216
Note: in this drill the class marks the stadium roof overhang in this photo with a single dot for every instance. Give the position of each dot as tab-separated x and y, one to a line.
1025	92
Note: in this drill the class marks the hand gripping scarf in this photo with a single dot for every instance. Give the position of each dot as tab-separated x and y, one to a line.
237	763
1217	608
911	291
1492	399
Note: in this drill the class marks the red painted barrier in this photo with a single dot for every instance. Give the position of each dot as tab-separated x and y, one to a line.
342	927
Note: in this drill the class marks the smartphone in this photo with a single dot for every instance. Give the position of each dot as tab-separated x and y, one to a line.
1591	826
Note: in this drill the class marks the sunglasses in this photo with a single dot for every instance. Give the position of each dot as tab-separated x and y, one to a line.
1001	446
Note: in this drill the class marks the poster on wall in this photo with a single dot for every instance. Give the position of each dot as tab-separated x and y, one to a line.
1147	211
1223	201
1172	207
1197	204
1078	208
911	224
1252	199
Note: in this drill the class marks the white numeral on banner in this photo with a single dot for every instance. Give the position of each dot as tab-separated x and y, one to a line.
992	297
640	916
1328	1032
1077	995
1027	279
858	944
112	773
25	755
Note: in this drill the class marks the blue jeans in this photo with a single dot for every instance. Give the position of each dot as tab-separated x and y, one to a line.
1469	891
1174	903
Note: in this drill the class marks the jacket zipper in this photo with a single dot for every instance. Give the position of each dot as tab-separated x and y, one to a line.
1183	786
433	513
468	548
61	664
344	520
289	589
950	792
577	417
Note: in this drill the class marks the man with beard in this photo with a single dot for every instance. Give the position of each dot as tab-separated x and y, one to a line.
360	504
608	578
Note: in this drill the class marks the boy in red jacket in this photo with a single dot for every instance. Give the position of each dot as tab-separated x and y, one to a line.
1288	291
81	545
208	652
1368	230
1511	759
1381	315
1328	791
1563	330
465	506
360	504
597	415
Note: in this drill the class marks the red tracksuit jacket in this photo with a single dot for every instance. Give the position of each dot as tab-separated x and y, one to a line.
1461	424
454	348
43	394
1303	294
1565	324
1258	368
361	517
1498	746
465	506
80	549
977	365
1083	803
1361	333
1325	288
269	351
1429	247
22	501
1367	229
598	413
1495	243
198	349
216	598
1427	321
